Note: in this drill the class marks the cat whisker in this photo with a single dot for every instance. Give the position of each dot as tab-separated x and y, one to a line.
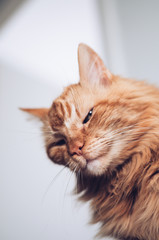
51	183
115	135
81	178
120	132
70	179
112	132
77	176
30	132
47	131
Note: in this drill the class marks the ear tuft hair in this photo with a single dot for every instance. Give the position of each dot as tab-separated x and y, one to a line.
91	67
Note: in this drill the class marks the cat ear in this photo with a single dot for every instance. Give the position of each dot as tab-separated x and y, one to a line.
40	113
91	67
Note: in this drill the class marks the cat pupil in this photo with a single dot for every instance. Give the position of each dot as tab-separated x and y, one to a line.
88	116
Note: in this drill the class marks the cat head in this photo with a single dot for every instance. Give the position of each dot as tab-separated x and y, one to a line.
91	127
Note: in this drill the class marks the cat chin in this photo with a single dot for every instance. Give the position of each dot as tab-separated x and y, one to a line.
94	167
91	167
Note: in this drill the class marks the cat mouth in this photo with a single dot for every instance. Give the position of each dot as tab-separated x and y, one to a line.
89	161
83	162
87	164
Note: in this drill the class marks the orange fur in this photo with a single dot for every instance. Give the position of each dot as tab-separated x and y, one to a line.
115	154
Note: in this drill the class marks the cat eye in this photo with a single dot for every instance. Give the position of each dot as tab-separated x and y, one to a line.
88	116
60	142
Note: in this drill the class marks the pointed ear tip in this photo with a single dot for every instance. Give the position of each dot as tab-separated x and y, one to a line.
80	47
83	46
85	49
32	111
24	109
40	113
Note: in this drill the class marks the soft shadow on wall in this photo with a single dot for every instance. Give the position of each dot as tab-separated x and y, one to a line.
7	8
131	35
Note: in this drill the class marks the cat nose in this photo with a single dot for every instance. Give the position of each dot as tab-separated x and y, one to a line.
76	148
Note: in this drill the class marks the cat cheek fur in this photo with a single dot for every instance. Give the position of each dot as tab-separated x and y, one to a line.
57	154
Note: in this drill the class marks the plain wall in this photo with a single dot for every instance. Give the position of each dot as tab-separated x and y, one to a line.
132	37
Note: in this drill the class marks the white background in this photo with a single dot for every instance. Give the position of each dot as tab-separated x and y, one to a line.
38	57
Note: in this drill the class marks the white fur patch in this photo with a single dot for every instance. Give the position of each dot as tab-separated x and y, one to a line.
94	167
73	119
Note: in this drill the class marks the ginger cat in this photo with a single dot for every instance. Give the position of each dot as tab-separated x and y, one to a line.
106	130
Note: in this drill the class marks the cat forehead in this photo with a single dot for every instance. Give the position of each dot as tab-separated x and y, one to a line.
64	114
72	106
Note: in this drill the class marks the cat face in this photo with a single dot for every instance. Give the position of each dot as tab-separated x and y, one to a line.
92	125
89	135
